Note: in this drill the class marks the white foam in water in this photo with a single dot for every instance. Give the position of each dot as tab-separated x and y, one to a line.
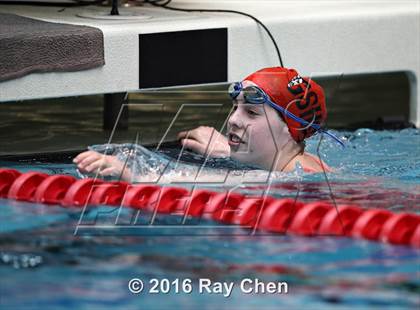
149	166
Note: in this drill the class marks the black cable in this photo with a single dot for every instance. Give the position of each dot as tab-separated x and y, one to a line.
164	5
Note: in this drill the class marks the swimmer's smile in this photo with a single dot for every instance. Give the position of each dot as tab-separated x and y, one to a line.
234	139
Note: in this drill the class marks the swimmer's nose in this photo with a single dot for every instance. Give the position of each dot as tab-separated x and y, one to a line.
235	120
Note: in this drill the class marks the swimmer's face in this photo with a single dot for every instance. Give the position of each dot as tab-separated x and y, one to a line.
255	132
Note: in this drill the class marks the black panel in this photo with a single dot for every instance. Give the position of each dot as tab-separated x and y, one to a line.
183	58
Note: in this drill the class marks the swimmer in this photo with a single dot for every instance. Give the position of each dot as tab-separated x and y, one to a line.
275	110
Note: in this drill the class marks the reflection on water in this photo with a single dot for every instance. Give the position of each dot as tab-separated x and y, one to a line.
75	123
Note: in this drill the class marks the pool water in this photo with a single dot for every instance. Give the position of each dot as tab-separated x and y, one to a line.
43	263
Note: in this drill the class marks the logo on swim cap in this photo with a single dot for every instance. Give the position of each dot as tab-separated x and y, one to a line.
296	83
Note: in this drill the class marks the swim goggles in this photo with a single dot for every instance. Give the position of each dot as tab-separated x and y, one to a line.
255	95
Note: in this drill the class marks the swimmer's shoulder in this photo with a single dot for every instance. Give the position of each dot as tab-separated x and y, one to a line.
313	164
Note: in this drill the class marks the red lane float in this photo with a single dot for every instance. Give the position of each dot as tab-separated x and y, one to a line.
308	219
7	177
108	194
278	215
339	222
399	228
269	214
80	192
249	211
25	185
369	224
194	206
415	238
52	189
166	199
137	196
221	206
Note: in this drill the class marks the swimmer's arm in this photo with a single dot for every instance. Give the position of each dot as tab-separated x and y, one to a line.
206	141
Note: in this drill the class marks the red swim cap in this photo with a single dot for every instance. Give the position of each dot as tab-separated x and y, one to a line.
300	96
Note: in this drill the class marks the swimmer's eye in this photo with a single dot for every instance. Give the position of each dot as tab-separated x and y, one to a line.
251	112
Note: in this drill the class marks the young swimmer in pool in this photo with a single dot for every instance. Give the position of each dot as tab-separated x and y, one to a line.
275	110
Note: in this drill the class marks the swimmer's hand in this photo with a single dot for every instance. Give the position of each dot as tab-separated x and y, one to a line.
206	141
104	165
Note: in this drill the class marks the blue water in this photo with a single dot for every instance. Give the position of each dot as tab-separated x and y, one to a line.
44	264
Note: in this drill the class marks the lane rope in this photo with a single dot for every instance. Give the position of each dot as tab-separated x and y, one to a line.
319	218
